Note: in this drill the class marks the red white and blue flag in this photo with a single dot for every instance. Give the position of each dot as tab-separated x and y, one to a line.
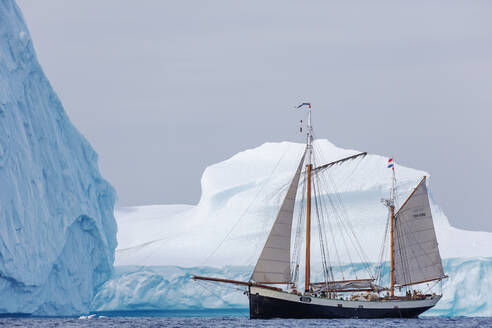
390	164
304	104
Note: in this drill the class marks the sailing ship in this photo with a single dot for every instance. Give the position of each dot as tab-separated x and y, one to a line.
414	258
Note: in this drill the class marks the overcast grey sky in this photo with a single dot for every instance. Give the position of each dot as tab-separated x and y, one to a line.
164	88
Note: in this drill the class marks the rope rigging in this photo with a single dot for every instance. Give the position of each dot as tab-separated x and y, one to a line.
325	252
339	245
327	191
203	284
298	241
263	184
382	253
336	233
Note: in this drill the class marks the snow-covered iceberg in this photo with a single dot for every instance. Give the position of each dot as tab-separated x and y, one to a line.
160	246
239	201
57	227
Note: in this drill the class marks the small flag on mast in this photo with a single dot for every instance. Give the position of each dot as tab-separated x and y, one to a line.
390	164
304	104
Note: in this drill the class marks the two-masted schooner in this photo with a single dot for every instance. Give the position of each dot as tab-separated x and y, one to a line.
414	258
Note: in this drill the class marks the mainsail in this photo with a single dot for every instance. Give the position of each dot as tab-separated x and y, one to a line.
273	266
417	257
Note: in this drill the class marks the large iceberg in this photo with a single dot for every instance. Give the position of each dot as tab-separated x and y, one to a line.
58	231
161	246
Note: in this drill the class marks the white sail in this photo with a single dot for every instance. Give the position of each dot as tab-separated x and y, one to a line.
273	266
417	257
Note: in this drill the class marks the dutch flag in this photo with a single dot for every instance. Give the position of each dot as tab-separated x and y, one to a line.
390	163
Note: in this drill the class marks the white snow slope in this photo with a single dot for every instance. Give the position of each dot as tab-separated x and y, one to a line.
228	227
243	192
57	227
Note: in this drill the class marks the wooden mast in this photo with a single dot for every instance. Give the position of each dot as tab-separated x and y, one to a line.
392	244
392	238
308	197
308	228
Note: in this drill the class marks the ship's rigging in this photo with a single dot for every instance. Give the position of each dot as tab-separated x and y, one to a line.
312	197
336	235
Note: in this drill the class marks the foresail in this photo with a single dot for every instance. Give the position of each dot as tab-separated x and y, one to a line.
273	266
417	257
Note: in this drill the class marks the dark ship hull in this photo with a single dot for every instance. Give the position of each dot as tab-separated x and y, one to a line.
268	304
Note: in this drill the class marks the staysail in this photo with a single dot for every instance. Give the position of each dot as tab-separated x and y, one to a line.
273	266
417	257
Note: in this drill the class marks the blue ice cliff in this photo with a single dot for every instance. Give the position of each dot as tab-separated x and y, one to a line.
57	228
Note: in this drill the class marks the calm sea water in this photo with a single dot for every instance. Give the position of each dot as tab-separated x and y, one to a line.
229	318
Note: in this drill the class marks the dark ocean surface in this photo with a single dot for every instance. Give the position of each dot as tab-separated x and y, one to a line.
229	318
